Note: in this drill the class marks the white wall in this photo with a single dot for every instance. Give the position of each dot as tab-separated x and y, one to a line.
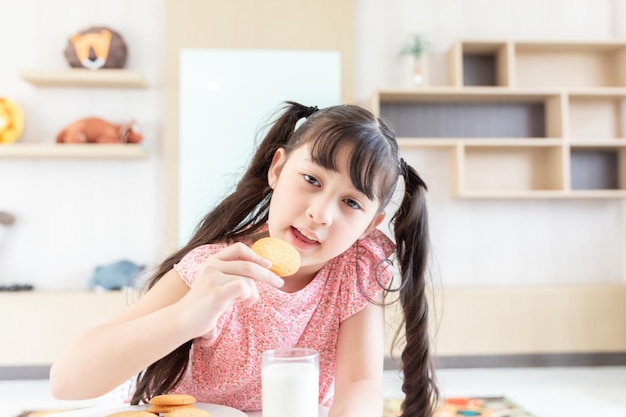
383	26
74	214
499	241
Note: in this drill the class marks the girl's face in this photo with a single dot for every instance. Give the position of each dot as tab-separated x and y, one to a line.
319	211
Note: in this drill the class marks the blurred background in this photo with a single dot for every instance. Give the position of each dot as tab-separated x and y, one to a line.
523	278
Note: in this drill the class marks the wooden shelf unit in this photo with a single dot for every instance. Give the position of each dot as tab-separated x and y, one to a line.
80	78
515	126
537	64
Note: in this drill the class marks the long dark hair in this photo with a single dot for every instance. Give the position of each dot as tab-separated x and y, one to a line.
375	167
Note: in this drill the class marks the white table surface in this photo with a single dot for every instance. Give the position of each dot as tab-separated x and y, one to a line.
323	413
86	412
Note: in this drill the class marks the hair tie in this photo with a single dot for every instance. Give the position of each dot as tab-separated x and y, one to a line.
404	168
310	111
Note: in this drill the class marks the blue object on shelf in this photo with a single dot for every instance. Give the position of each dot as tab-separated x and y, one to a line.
114	276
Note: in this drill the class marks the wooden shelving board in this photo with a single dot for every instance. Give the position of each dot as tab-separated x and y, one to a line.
69	151
75	77
419	142
437	94
543	194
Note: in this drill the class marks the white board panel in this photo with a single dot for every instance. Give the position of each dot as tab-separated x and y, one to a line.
227	97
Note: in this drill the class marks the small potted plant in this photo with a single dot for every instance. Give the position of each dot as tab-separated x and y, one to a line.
416	49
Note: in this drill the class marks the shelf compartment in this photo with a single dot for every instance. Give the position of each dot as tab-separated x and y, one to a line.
77	77
569	64
474	114
69	151
514	170
595	167
480	63
596	115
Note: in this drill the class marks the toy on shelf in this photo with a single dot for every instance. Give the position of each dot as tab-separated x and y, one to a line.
97	130
115	276
11	121
16	287
96	47
6	220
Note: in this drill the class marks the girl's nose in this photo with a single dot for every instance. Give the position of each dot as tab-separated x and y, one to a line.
320	212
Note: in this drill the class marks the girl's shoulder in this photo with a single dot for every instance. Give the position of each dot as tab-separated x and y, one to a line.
376	245
370	252
198	254
365	271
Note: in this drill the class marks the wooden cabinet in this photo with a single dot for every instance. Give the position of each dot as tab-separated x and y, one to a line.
38	326
523	119
522	320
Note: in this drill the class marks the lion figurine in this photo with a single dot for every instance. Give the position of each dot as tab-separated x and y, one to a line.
95	48
96	130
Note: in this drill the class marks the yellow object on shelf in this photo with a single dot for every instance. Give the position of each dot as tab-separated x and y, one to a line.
11	121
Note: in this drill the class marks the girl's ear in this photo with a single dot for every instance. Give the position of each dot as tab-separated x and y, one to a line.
378	219
278	161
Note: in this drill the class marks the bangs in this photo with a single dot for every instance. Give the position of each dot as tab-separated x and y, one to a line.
372	163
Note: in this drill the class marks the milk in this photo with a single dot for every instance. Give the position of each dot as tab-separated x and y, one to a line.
290	390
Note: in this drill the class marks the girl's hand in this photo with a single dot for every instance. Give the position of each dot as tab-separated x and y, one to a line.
226	277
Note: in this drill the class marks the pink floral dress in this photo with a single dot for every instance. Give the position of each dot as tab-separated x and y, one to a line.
225	368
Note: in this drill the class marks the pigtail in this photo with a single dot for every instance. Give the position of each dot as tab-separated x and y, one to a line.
412	248
247	207
243	210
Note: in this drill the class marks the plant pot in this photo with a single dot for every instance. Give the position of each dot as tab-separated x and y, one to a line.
419	68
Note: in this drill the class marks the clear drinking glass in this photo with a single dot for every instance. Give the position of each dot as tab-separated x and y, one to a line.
290	382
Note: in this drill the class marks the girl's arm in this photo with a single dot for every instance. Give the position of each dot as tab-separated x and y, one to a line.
169	315
359	370
107	355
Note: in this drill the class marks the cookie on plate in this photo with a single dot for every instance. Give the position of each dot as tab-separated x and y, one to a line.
132	413
166	408
173	399
188	412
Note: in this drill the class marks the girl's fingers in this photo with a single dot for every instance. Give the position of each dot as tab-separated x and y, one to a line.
227	277
240	260
240	290
240	251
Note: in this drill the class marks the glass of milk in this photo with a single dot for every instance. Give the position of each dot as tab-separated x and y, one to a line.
290	382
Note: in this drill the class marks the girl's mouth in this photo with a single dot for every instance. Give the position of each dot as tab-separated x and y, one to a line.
302	241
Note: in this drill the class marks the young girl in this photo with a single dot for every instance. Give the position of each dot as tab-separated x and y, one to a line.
213	306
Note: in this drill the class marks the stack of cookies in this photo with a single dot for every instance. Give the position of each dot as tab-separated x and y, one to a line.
168	405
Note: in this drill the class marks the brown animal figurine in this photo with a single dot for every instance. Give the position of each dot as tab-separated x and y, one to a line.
95	48
96	130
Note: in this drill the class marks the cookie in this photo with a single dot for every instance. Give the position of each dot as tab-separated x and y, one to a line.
188	412
284	257
137	413
166	408
173	399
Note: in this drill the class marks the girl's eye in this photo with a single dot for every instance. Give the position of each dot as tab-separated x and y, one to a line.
311	180
352	204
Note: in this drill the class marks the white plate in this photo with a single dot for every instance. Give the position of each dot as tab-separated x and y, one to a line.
216	410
